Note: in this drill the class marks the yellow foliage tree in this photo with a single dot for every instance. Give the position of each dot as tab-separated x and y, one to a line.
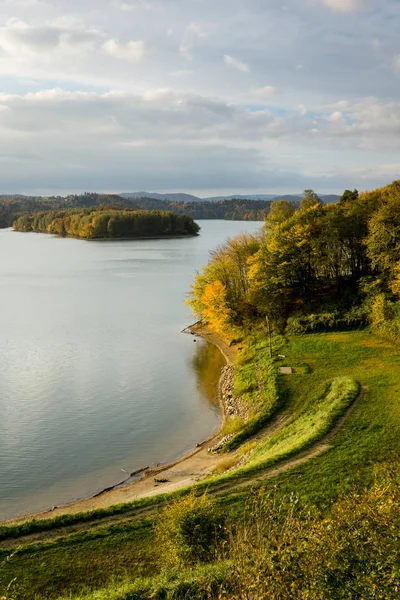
215	307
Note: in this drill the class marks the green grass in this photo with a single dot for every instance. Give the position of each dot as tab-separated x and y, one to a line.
177	585
316	419
46	570
371	434
307	425
92	517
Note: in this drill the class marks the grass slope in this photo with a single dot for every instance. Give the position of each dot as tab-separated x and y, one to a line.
316	418
256	384
371	435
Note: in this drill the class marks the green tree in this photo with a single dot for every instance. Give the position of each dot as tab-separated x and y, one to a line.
310	199
280	211
383	240
348	196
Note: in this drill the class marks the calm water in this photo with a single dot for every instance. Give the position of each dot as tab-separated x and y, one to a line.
95	376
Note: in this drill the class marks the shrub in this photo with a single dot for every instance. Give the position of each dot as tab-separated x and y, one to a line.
355	318
188	531
279	550
233	425
225	464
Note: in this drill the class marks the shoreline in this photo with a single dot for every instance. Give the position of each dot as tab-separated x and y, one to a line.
182	472
110	238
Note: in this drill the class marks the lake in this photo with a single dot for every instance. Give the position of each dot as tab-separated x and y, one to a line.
96	379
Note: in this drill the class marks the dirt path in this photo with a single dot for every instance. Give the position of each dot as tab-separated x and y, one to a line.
317	449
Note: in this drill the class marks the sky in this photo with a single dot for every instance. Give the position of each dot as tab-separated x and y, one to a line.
204	96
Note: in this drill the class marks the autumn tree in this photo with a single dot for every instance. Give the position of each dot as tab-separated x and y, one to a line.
215	307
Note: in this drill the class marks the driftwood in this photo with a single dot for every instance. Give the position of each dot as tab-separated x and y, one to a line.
189	327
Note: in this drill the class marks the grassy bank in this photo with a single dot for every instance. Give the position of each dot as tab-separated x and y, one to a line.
256	384
371	435
316	419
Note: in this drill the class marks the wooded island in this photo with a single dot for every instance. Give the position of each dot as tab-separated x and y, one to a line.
106	222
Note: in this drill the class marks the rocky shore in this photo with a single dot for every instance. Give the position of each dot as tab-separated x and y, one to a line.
231	405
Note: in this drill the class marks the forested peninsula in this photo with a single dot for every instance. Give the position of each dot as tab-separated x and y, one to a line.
105	222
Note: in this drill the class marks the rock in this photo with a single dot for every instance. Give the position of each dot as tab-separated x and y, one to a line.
221	443
233	406
286	370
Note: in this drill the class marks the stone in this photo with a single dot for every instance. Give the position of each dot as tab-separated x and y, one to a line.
286	370
221	443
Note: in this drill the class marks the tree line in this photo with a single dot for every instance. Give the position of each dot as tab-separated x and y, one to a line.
12	207
106	222
315	268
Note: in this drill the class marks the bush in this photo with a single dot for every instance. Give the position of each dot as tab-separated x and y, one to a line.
355	318
189	531
225	465
281	551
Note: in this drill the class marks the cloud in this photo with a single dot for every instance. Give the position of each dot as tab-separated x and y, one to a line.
302	109
138	5
265	92
182	73
20	40
23	3
168	139
376	44
159	139
342	5
193	32
336	116
283	115
130	51
163	115
236	64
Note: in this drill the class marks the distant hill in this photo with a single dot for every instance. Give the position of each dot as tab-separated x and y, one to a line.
241	197
327	198
180	197
168	197
297	198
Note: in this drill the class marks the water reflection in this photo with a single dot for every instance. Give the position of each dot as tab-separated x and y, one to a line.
207	363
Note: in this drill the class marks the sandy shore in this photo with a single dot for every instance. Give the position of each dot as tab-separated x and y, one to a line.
183	472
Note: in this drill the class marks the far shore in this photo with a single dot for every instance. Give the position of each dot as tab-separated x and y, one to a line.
113	238
181	473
